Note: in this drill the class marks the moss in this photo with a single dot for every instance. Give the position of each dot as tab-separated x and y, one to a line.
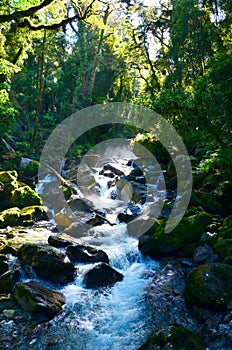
209	285
223	247
188	231
8	176
178	337
183	338
31	170
25	196
207	202
66	192
9	217
34	212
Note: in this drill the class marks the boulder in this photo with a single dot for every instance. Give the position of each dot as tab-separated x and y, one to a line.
136	172
49	263
102	275
10	217
58	242
176	338
129	214
202	254
8	176
83	253
25	196
96	220
207	201
157	243
63	220
14	193
34	213
210	286
38	300
28	215
223	248
80	204
8	280
113	169
29	166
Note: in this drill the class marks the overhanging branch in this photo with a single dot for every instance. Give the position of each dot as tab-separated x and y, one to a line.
18	15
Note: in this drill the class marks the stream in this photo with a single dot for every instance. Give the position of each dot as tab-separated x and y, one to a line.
109	318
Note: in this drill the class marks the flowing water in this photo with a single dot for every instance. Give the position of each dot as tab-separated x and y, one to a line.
111	318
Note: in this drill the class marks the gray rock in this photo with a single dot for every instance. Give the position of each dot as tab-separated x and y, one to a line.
38	300
83	253
102	275
49	263
201	254
8	280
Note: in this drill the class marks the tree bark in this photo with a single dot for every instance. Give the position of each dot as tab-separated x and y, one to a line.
41	90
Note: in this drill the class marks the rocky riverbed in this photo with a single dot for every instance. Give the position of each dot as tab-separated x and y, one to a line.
66	281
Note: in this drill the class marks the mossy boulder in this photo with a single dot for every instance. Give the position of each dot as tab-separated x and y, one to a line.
25	196
175	338
223	247
38	300
8	176
50	264
210	286
10	217
157	243
34	212
29	166
207	201
15	216
14	193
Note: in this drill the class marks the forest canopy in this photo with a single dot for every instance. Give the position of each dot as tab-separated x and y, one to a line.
172	56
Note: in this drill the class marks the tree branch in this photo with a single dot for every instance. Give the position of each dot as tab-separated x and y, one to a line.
18	15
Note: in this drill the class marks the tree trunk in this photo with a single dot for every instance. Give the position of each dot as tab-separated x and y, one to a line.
40	92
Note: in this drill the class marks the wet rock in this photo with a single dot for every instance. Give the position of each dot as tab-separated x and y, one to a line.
113	169
38	300
107	173
83	253
64	220
210	285
96	220
58	242
49	263
202	253
3	265
29	166
34	213
14	195
25	196
8	280
10	217
129	214
157	243
78	229
6	302
176	338
136	172
80	204
102	275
